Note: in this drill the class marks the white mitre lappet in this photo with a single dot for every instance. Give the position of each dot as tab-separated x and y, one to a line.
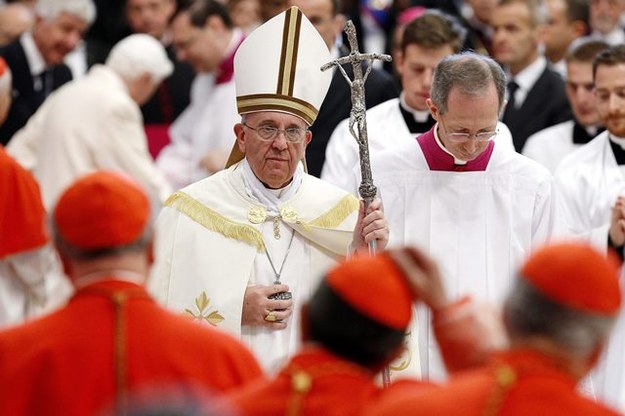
278	68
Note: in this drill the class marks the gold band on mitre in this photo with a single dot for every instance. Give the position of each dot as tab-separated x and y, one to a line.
278	68
276	102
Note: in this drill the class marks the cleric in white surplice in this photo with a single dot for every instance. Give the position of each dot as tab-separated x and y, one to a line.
223	241
478	207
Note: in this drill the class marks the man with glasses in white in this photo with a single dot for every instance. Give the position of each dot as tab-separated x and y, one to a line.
475	206
245	248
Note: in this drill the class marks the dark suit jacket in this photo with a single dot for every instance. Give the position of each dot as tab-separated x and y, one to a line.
25	99
336	106
545	105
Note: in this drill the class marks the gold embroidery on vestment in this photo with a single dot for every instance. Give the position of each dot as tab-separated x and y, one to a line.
214	221
202	303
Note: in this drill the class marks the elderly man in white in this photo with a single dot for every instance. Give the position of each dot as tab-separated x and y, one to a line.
245	248
95	122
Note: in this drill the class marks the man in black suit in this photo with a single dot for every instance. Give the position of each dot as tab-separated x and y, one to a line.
536	94
36	58
380	87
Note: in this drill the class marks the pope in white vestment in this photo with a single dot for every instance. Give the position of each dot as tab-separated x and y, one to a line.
212	240
229	242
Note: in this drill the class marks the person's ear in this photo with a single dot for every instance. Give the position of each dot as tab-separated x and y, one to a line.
239	132
433	109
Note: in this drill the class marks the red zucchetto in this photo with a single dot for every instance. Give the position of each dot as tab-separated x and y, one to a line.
102	210
577	276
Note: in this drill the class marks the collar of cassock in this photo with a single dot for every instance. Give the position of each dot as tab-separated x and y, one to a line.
414	125
225	72
581	135
617	143
438	159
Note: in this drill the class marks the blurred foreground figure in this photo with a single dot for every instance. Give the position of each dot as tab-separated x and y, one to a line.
111	340
558	318
353	325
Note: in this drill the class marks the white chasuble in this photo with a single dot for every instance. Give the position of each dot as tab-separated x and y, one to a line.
210	246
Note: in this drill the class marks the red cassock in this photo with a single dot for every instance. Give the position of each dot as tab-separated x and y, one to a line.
516	383
110	341
22	216
315	382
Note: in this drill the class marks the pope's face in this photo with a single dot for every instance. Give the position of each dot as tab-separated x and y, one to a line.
610	95
466	114
416	67
272	161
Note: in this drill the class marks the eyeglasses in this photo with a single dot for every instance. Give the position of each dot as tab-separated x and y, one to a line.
483	136
292	134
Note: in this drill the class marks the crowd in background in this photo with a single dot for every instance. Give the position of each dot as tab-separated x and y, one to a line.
147	89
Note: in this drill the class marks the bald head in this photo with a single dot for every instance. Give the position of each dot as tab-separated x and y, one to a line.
15	19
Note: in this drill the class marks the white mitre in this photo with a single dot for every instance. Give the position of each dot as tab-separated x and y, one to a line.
278	68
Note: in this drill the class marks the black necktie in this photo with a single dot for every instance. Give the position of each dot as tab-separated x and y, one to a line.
45	79
512	89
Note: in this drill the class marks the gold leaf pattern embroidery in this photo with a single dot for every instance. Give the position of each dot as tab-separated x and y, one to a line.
203	313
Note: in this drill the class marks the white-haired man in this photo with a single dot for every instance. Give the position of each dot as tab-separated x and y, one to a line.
36	58
95	122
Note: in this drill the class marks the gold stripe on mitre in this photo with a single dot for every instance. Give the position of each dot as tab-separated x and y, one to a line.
214	221
289	51
276	102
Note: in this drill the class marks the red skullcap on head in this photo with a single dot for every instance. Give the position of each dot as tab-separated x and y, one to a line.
102	210
375	287
576	276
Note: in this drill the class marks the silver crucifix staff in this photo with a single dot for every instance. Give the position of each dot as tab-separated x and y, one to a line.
357	118
357	115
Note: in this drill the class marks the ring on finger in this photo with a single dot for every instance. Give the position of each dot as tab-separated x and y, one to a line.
271	317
